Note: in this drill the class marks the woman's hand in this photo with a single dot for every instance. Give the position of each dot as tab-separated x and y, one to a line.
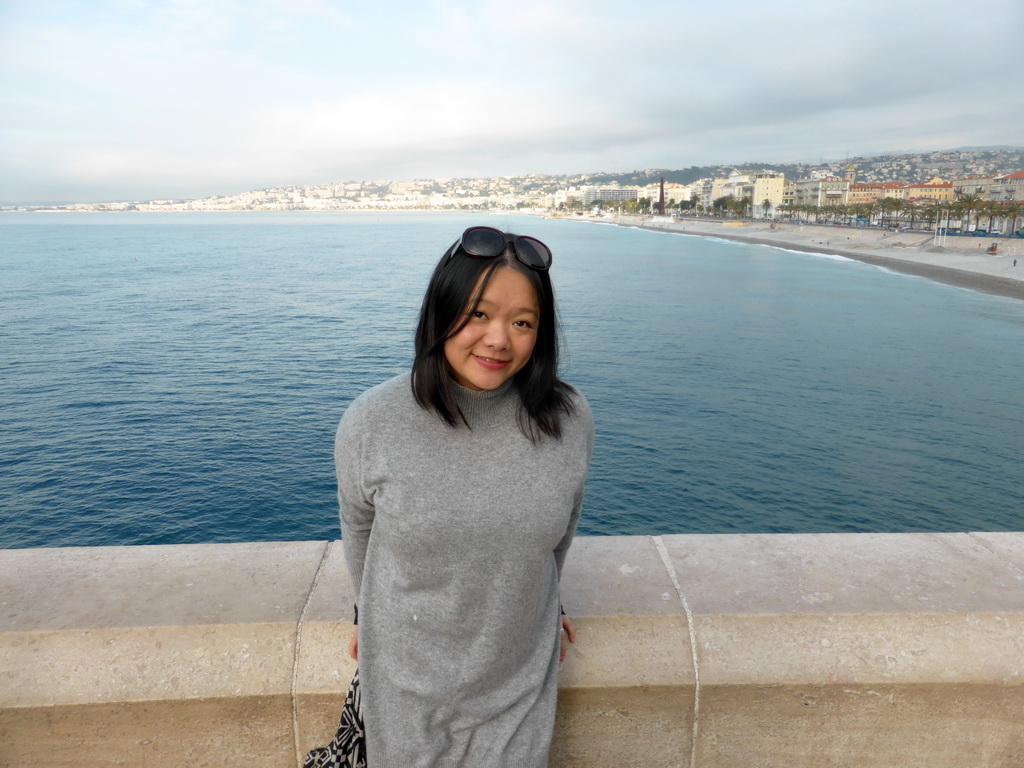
353	644
567	633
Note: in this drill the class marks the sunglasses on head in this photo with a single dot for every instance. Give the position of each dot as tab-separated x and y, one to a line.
487	242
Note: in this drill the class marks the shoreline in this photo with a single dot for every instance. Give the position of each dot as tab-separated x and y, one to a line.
961	262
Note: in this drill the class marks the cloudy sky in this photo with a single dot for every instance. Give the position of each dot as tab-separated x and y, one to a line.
143	99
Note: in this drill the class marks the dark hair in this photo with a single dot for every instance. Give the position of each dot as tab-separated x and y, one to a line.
543	396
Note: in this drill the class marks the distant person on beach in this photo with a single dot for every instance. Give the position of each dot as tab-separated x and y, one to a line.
460	485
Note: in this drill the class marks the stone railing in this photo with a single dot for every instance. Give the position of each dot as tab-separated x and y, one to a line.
880	650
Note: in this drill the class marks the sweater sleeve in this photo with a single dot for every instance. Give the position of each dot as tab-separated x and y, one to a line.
586	423
563	546
356	507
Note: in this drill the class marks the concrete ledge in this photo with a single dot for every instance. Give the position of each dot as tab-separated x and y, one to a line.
892	650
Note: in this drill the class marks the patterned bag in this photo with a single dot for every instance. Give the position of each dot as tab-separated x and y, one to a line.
348	750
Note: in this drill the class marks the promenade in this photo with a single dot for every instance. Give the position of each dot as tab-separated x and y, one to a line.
956	260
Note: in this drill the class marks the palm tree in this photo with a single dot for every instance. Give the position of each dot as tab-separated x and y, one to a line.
983	210
898	207
931	212
737	205
1013	211
966	205
993	210
865	210
913	209
885	206
721	205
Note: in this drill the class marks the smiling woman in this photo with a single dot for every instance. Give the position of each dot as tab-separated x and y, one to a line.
498	333
460	487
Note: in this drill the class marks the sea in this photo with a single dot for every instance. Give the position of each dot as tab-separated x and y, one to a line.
178	377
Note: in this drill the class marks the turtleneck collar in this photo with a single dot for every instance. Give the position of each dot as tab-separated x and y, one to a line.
489	406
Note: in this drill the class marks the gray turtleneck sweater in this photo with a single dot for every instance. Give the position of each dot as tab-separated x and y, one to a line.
455	539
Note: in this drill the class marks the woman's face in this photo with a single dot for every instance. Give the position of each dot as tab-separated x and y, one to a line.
498	339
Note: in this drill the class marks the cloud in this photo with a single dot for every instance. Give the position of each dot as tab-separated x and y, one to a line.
183	97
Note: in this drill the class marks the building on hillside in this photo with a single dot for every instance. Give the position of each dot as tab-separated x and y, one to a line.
402	189
830	190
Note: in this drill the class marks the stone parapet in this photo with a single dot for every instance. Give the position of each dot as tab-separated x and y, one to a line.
717	651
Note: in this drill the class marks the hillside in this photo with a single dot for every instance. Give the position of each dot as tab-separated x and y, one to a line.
911	167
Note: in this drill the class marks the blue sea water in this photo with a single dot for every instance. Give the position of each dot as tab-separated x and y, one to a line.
173	378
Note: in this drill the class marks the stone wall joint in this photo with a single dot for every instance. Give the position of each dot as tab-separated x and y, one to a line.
298	649
982	543
660	545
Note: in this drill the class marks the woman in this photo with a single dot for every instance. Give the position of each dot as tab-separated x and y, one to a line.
460	486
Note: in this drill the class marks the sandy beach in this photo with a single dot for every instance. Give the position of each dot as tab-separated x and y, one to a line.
961	261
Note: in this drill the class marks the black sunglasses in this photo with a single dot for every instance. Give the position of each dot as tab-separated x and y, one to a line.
487	242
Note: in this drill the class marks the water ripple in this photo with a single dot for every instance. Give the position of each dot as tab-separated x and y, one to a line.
178	378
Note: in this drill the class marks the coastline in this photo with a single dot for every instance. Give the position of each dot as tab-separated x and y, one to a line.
962	261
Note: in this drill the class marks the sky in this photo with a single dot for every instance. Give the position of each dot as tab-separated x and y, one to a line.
113	100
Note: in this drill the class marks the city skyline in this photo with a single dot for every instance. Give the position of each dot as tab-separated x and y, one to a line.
123	100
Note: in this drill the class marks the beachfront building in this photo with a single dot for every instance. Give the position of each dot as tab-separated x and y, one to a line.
978	186
609	193
935	190
569	197
829	190
767	192
717	190
678	193
762	190
592	194
701	192
1008	188
860	193
735	185
674	193
894	190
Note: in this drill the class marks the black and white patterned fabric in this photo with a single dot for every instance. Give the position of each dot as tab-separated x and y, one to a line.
348	750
